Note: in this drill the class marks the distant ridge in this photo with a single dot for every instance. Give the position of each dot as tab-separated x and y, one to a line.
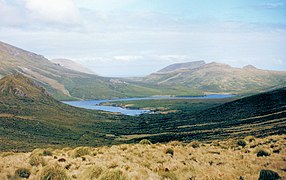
66	84
217	77
187	65
70	64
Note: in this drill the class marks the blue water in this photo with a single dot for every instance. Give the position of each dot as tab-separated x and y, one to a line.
95	104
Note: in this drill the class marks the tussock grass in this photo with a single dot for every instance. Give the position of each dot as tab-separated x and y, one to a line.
173	160
145	141
36	160
82	151
53	173
113	175
92	172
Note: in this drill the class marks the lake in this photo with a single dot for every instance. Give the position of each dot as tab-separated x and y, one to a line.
95	104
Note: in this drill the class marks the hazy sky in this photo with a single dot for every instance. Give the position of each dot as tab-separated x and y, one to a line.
137	37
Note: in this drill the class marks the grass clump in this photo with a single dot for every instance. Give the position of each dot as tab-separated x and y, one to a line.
47	153
36	160
168	175
93	172
113	175
81	151
145	141
249	138
23	173
54	173
195	144
241	143
169	151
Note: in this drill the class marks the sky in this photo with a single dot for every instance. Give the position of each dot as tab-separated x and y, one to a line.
137	37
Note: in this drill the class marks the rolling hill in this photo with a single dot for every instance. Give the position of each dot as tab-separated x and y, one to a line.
218	78
72	65
180	66
66	84
30	117
260	115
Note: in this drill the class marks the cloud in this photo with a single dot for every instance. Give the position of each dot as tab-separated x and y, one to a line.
10	14
53	11
272	5
38	13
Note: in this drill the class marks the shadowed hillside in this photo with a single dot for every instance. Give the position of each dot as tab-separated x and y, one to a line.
30	117
261	115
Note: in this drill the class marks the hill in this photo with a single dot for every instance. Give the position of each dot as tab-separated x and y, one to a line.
220	78
187	65
65	84
30	118
260	115
69	64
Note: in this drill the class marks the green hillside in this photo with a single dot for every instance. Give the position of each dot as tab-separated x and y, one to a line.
260	115
66	84
31	118
215	77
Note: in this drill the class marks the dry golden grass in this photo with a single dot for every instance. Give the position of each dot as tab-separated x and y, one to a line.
174	160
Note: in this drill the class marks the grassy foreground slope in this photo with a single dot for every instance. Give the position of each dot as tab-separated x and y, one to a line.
230	159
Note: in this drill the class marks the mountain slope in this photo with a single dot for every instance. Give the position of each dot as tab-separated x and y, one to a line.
64	83
30	118
260	115
187	65
215	77
69	64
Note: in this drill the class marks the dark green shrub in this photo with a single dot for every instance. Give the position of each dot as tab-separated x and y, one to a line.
145	141
262	152
241	143
249	138
62	160
195	144
47	153
268	175
23	173
277	151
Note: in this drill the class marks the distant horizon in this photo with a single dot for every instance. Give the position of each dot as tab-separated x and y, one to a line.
133	38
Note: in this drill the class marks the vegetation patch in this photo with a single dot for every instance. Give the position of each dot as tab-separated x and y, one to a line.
54	173
113	175
23	173
145	141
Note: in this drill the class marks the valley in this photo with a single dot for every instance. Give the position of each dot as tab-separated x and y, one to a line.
227	106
